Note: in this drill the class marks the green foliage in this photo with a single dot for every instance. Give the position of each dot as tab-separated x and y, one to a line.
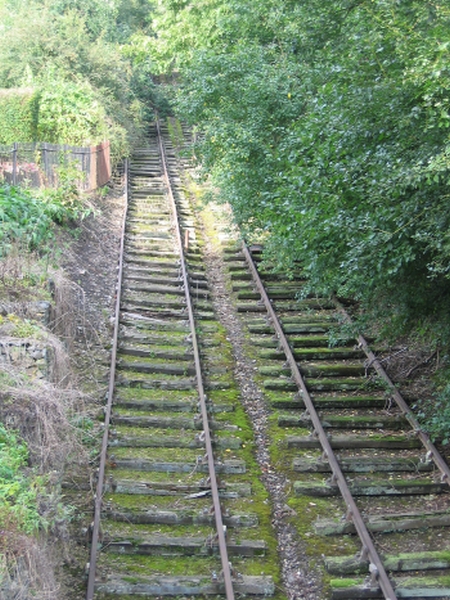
18	493
27	503
434	412
19	110
326	126
148	94
71	53
22	328
28	217
70	113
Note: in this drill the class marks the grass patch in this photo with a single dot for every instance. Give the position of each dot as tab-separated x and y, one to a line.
146	566
170	455
136	393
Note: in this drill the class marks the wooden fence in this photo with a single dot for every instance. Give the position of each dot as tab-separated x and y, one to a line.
42	165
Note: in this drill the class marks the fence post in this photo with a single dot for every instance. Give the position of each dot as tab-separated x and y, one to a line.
44	161
14	165
103	164
92	176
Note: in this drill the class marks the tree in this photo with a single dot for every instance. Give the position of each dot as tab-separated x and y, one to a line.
326	127
72	54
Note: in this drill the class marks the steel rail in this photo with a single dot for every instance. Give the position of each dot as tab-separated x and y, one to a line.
98	498
376	565
374	362
221	536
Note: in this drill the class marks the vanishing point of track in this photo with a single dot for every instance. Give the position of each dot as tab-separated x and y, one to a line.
176	513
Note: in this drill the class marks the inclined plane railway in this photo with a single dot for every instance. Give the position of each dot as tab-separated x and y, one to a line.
179	510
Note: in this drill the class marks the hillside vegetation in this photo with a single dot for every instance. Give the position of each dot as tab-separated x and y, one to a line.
73	73
326	126
76	72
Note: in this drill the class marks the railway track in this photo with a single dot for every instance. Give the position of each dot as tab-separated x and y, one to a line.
350	446
180	510
175	513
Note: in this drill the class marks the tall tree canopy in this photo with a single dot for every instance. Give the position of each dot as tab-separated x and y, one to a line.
326	126
81	57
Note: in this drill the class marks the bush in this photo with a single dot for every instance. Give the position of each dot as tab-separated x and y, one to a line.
70	113
434	413
326	127
29	217
19	109
18	495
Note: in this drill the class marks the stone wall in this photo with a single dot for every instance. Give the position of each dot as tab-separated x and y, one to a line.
35	356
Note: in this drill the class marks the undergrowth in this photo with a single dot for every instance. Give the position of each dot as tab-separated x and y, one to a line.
41	442
29	216
18	493
434	412
47	430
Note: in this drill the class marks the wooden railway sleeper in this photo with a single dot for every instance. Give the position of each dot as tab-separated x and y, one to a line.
373	580
205	410
383	579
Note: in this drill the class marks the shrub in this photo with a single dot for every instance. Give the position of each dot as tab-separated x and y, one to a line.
18	495
19	109
28	217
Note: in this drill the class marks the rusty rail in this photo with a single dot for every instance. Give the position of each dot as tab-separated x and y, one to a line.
95	528
376	565
226	567
432	451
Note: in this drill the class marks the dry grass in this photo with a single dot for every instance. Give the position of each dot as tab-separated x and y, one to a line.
23	277
26	569
45	417
69	313
52	416
43	414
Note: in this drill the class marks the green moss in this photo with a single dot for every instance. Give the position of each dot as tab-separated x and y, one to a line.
273	397
175	132
157	477
230	395
145	378
308	510
345	583
136	393
126	431
129	361
144	503
165	416
142	532
181	455
146	566
426	582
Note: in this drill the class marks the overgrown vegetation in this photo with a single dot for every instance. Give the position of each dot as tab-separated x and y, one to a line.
28	217
19	111
326	126
18	499
75	72
40	444
45	426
